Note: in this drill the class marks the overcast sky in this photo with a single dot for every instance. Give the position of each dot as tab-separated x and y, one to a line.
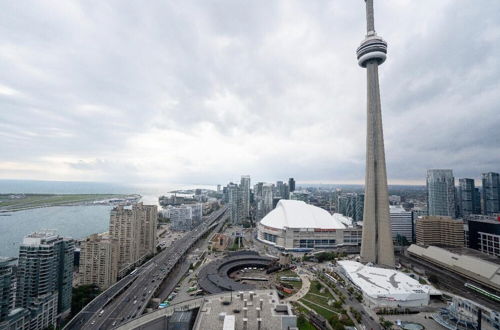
200	92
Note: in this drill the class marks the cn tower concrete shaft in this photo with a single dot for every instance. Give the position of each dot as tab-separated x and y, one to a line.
376	245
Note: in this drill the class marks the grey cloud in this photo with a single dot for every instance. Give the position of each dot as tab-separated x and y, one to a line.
92	76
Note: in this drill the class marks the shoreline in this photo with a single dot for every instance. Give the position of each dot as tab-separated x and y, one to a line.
105	200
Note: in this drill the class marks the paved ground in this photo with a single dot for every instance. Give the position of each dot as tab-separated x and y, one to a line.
417	318
306	284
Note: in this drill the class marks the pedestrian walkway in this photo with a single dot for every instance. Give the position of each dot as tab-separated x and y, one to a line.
306	284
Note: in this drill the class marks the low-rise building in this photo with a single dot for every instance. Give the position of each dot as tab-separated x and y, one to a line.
484	234
463	313
259	309
463	262
382	287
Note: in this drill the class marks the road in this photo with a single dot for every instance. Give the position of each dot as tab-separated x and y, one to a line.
128	298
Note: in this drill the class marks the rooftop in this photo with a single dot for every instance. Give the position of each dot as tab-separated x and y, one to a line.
472	264
397	209
227	310
240	307
381	282
298	214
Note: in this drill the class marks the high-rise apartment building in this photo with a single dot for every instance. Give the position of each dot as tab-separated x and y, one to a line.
186	217
291	184
7	280
440	230
467	197
181	218
441	193
257	190
491	193
45	267
135	231
244	195
11	317
98	261
233	199
147	215
401	223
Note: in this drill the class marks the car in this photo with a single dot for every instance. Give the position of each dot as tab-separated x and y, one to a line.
135	302
93	322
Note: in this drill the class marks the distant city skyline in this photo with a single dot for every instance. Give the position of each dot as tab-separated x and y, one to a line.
199	93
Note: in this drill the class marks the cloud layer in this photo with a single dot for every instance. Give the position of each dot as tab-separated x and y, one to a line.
203	91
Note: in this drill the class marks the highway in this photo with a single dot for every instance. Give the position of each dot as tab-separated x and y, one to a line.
128	298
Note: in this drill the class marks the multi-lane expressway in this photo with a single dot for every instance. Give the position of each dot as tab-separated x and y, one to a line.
128	298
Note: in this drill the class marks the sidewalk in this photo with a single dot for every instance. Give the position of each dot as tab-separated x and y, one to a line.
306	284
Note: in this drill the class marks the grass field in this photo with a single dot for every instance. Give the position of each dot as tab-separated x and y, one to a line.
319	301
17	202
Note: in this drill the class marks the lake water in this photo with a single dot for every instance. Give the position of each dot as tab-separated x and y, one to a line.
69	221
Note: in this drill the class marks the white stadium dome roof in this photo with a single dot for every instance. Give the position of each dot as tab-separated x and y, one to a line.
297	214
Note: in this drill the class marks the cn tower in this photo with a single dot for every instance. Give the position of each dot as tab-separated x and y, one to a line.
376	244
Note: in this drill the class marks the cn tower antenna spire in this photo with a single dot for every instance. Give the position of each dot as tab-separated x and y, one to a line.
370	20
376	244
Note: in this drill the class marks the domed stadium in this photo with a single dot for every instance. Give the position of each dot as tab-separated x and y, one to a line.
296	226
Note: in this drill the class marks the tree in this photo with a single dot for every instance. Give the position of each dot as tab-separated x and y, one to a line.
433	279
82	295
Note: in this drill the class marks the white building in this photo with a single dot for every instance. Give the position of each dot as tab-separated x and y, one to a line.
382	287
295	225
401	222
186	217
181	218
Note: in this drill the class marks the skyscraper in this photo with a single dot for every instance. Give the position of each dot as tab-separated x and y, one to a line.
267	198
466	198
280	189
441	193
45	269
233	193
491	193
291	185
376	246
244	197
